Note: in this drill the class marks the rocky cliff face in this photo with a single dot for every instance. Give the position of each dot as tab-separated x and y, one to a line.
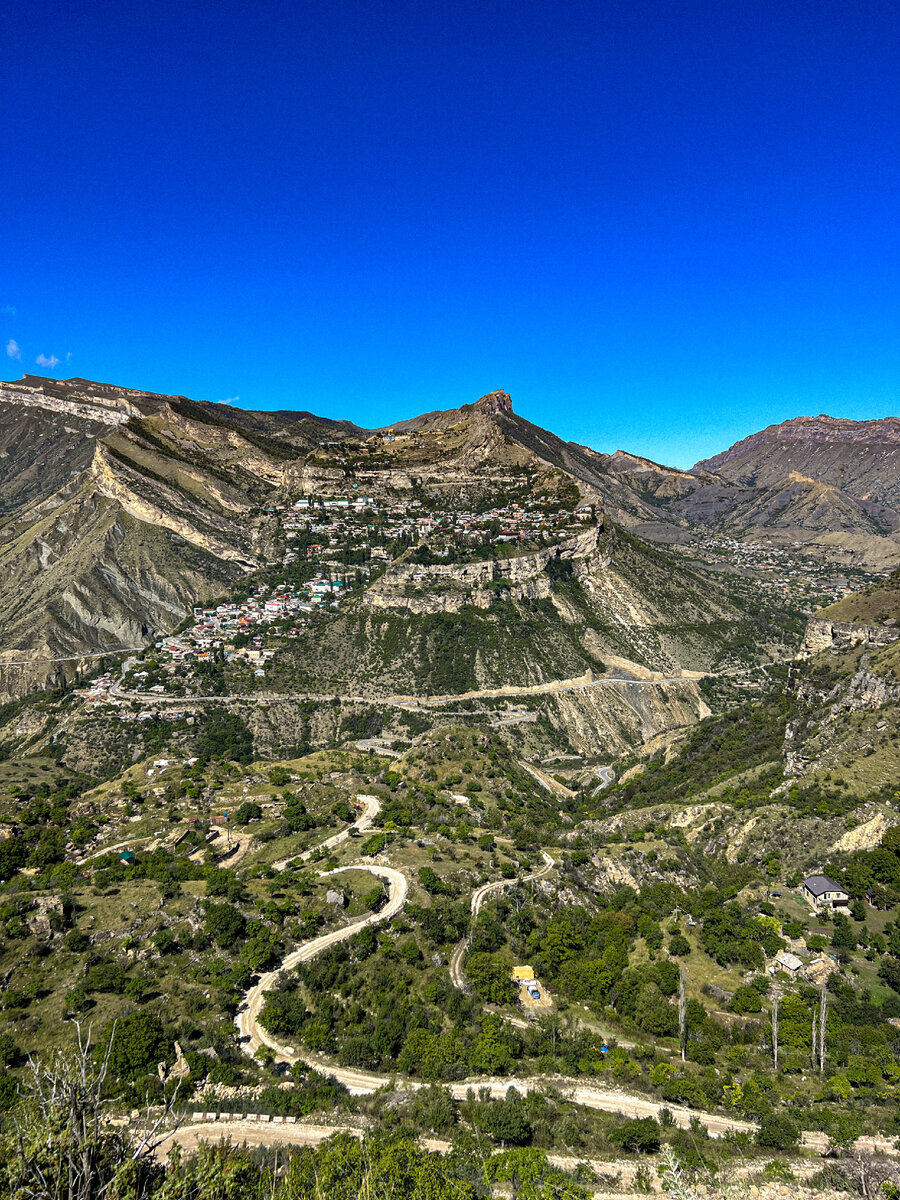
449	587
822	634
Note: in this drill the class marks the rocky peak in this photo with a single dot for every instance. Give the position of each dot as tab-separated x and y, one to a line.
495	403
821	429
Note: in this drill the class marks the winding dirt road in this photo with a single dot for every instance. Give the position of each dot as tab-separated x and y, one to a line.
359	1082
371	807
479	896
250	1032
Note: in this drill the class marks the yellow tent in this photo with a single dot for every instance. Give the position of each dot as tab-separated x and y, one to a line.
523	974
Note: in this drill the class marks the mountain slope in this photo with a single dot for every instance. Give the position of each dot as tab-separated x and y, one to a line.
175	503
829	485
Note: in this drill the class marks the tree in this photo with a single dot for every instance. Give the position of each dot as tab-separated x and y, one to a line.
506	1122
283	1012
221	1171
746	1000
137	1043
530	1176
61	1147
225	925
490	977
777	1131
246	812
641	1136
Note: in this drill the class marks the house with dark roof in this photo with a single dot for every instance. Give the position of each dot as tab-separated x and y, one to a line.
823	892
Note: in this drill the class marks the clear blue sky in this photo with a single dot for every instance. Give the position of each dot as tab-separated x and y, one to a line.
660	225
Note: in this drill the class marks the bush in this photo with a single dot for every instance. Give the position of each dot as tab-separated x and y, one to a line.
679	946
746	1000
225	925
778	1131
373	845
506	1121
246	812
641	1136
139	1043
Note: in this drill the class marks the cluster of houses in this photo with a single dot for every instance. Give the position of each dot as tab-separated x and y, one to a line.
791	574
364	524
822	894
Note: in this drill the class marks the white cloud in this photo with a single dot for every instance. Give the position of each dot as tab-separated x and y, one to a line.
12	349
8	310
68	355
230	400
44	360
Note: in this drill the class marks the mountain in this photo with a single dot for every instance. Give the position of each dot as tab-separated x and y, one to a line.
834	483
860	457
827	485
177	501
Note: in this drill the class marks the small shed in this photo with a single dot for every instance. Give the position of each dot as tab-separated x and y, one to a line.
788	962
127	857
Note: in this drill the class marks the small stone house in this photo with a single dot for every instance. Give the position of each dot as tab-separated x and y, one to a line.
788	962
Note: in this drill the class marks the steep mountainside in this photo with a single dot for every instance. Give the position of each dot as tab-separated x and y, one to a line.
157	502
831	486
48	429
860	457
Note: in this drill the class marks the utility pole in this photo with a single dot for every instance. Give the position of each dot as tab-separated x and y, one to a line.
682	1013
815	1040
776	998
823	1025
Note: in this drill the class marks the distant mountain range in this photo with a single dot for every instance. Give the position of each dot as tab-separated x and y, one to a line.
119	509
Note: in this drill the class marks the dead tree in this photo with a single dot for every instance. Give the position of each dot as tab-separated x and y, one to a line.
64	1146
823	1026
776	998
682	1014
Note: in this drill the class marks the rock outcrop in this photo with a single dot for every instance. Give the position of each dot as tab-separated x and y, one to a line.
822	634
448	587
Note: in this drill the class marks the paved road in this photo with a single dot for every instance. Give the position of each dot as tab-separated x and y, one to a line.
371	807
478	898
251	1033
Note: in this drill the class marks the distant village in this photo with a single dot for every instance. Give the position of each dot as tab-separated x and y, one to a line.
329	547
798	578
332	546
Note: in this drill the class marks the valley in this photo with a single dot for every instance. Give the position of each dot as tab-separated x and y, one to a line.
452	783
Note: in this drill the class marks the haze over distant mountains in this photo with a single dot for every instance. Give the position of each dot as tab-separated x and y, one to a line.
119	509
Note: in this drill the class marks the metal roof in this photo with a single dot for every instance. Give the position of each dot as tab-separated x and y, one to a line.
817	884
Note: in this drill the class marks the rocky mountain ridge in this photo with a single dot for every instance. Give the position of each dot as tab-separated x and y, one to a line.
159	502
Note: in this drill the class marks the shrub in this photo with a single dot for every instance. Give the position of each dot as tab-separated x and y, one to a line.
225	925
778	1131
246	812
641	1136
746	1000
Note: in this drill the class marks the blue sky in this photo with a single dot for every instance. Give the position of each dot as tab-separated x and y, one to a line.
659	226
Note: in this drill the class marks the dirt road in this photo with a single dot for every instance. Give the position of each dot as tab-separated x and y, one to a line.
371	807
478	898
250	1032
